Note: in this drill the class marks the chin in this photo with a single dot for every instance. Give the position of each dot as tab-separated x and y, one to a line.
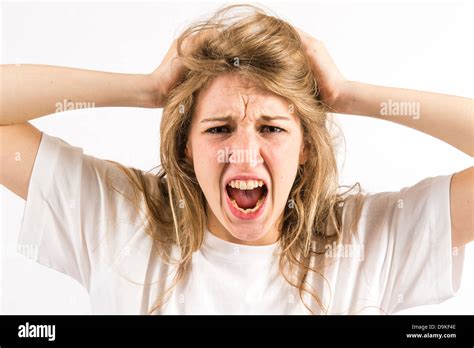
248	234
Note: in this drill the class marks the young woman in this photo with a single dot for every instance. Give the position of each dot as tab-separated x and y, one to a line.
245	214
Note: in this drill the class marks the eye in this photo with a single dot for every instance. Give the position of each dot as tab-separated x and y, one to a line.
218	130
271	129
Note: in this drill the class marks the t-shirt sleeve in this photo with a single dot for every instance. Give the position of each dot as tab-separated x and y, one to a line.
72	209
408	257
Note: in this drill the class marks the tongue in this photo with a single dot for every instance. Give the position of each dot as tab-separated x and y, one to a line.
245	199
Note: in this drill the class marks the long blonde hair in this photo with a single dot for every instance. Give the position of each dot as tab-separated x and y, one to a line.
269	51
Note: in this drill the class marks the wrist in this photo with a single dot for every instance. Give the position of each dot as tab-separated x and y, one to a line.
150	95
341	100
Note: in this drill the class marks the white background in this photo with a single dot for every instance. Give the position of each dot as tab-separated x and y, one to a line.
424	46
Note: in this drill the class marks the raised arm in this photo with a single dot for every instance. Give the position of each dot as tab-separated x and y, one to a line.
31	91
448	118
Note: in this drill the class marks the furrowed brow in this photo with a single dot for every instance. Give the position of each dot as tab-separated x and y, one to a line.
229	118
273	118
217	119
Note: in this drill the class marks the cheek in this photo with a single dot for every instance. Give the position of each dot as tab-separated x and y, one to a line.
283	161
284	156
207	168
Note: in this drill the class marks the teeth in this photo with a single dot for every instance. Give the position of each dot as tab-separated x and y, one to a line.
248	211
245	184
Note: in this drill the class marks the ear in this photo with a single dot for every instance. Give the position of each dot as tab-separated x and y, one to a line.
303	153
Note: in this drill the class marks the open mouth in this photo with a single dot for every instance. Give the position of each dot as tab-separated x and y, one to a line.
246	196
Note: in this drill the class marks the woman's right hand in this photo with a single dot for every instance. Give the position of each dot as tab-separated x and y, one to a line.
167	75
171	70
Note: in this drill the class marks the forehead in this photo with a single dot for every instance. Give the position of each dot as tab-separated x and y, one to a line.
233	94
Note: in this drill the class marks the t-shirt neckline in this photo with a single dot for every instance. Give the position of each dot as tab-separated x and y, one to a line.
214	246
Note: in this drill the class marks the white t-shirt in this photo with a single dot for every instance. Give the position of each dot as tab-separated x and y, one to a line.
401	257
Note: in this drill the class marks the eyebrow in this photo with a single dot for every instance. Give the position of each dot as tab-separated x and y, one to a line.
228	118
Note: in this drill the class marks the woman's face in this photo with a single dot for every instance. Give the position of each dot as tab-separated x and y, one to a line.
245	144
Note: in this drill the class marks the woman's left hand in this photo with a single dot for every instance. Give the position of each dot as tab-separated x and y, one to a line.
331	82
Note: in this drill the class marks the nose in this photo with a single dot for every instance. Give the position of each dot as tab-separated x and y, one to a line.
245	149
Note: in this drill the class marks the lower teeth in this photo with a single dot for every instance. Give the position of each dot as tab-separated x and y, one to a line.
247	211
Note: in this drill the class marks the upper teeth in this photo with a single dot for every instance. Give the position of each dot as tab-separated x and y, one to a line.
246	184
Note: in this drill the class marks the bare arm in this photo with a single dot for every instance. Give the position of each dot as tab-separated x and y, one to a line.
462	207
448	118
31	91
